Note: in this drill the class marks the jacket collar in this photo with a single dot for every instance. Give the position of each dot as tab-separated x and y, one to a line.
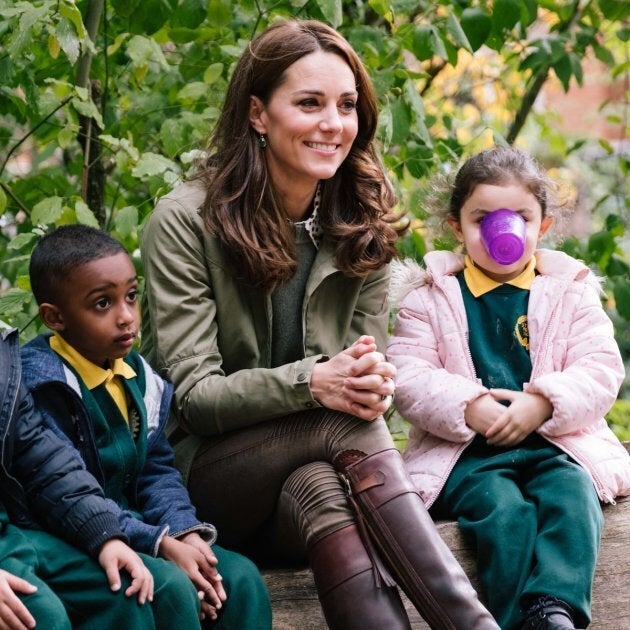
408	275
41	364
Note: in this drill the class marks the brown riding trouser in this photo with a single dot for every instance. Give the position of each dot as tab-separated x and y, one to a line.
271	489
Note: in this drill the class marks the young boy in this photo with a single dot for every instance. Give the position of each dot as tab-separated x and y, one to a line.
102	396
44	579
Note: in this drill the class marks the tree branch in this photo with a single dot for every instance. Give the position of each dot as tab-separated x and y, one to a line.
532	93
14	148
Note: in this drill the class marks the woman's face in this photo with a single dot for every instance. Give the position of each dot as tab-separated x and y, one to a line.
310	122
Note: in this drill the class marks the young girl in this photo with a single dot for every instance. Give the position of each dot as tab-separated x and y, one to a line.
505	371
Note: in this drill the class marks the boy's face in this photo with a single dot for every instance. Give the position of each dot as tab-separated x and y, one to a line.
484	199
97	309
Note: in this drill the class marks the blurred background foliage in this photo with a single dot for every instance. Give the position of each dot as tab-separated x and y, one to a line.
106	104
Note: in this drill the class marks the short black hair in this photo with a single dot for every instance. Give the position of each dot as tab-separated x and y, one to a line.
62	250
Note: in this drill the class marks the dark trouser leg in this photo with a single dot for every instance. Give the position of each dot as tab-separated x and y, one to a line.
250	468
247	606
236	479
402	529
528	524
570	523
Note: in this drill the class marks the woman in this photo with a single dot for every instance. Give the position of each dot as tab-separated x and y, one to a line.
266	301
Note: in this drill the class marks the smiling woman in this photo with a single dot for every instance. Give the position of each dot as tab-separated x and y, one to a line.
266	305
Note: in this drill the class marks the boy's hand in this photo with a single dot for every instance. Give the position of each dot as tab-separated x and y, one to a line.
116	555
524	415
194	556
13	613
482	413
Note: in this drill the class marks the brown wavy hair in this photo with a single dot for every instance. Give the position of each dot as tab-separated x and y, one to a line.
241	207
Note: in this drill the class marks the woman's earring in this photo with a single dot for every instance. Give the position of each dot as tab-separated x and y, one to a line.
262	141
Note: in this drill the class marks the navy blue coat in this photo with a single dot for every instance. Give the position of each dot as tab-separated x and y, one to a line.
43	483
159	502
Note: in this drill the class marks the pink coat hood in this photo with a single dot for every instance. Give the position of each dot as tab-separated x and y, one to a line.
576	364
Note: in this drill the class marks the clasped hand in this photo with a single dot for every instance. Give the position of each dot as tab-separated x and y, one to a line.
357	380
193	555
507	426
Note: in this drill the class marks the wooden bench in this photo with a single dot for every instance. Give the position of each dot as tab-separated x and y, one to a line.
296	607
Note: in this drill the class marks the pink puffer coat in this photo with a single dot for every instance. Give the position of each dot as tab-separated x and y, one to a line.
576	364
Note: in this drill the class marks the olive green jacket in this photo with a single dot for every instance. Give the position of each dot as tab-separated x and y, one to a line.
210	334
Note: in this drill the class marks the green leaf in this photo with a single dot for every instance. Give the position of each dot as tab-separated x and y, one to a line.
125	8
66	135
422	42
189	14
126	221
499	139
13	301
212	73
617	267
332	11
174	134
151	15
20	240
506	14
529	12
192	92
219	13
23	282
614	9
621	292
401	121
604	144
143	51
88	109
385	125
456	31
477	25
417	106
621	69
576	68
563	70
601	245
70	11
84	215
419	159
151	164
3	200
23	35
68	40
46	211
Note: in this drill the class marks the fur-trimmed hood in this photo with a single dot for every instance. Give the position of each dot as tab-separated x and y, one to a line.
407	274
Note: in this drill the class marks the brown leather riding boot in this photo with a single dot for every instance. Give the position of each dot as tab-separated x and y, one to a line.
422	564
351	591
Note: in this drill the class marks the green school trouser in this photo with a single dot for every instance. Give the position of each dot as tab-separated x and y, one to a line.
73	592
247	606
536	521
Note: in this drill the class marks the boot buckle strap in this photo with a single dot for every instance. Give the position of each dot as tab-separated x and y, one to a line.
371	481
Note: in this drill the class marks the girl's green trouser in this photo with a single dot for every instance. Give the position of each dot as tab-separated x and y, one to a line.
73	592
535	519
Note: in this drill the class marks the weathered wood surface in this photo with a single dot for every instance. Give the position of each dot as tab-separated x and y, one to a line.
296	607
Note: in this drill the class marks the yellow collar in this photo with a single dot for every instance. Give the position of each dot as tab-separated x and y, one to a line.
91	374
479	283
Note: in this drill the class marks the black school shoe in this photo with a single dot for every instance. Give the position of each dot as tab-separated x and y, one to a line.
548	613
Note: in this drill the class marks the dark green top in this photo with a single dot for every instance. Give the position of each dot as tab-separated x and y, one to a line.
287	337
498	335
122	447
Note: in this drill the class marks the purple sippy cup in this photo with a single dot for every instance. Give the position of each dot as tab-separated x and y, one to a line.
503	234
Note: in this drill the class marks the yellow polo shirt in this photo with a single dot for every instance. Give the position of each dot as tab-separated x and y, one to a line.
479	283
94	375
